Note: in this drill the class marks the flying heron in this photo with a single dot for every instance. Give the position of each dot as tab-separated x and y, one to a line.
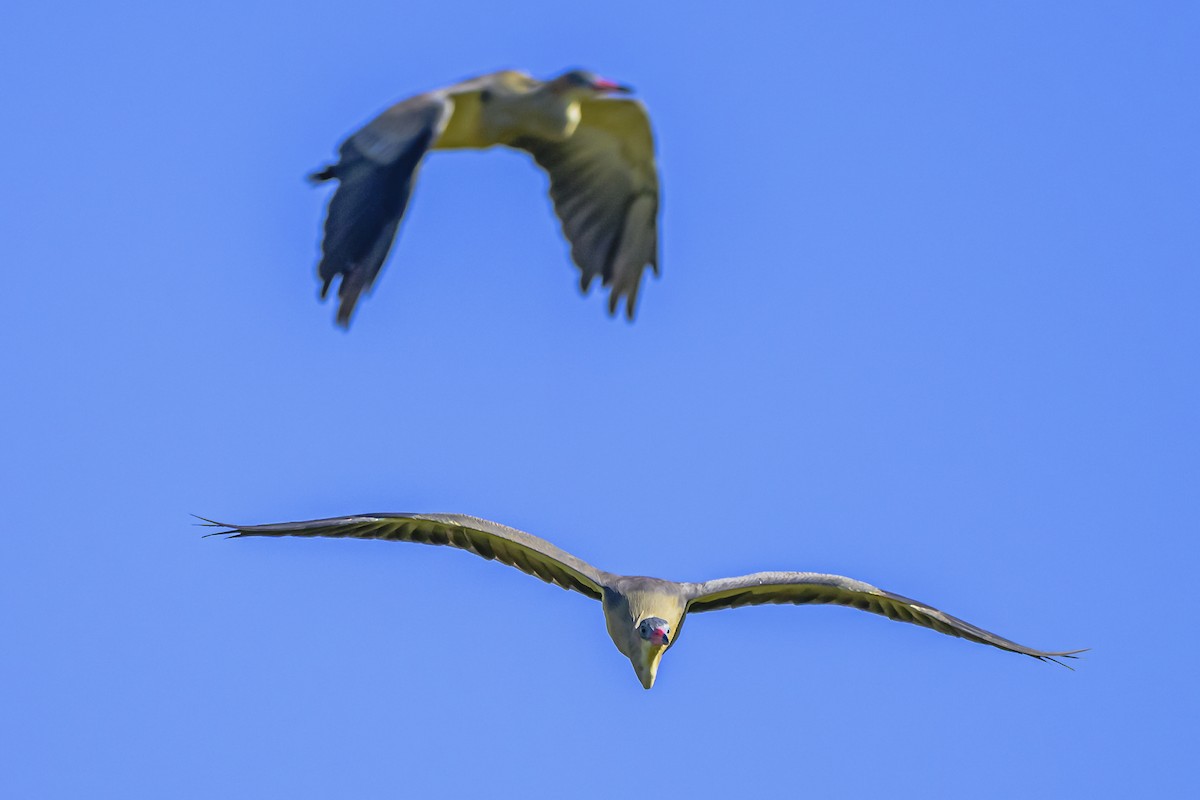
644	616
597	149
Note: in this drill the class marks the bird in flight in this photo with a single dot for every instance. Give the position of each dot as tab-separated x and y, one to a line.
644	616
597	149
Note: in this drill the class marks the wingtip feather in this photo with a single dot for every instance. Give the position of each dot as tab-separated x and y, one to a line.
1054	657
205	522
322	175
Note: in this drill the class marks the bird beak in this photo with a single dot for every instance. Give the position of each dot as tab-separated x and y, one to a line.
605	85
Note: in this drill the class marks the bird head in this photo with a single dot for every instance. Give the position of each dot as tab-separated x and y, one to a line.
583	82
656	631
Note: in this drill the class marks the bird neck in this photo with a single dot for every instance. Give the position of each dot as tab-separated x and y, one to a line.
646	660
546	114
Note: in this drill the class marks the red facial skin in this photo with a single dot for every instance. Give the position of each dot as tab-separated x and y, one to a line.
659	637
605	85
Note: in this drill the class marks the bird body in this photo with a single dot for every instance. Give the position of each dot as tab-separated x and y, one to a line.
504	106
628	601
644	616
598	151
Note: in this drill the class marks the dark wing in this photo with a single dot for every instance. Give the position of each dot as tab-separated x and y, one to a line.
604	184
490	540
802	588
375	174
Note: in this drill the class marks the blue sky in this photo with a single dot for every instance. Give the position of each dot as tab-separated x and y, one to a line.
927	318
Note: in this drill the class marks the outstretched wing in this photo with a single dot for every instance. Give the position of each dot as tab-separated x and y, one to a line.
604	184
802	588
490	540
375	174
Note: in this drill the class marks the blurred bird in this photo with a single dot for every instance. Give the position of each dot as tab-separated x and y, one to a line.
597	149
644	615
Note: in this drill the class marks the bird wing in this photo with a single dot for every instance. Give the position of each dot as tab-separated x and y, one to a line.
604	184
376	169
490	540
802	588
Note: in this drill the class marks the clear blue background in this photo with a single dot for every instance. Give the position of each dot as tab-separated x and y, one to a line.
928	318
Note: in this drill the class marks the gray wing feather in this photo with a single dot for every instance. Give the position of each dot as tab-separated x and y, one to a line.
482	537
376	170
802	588
604	184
